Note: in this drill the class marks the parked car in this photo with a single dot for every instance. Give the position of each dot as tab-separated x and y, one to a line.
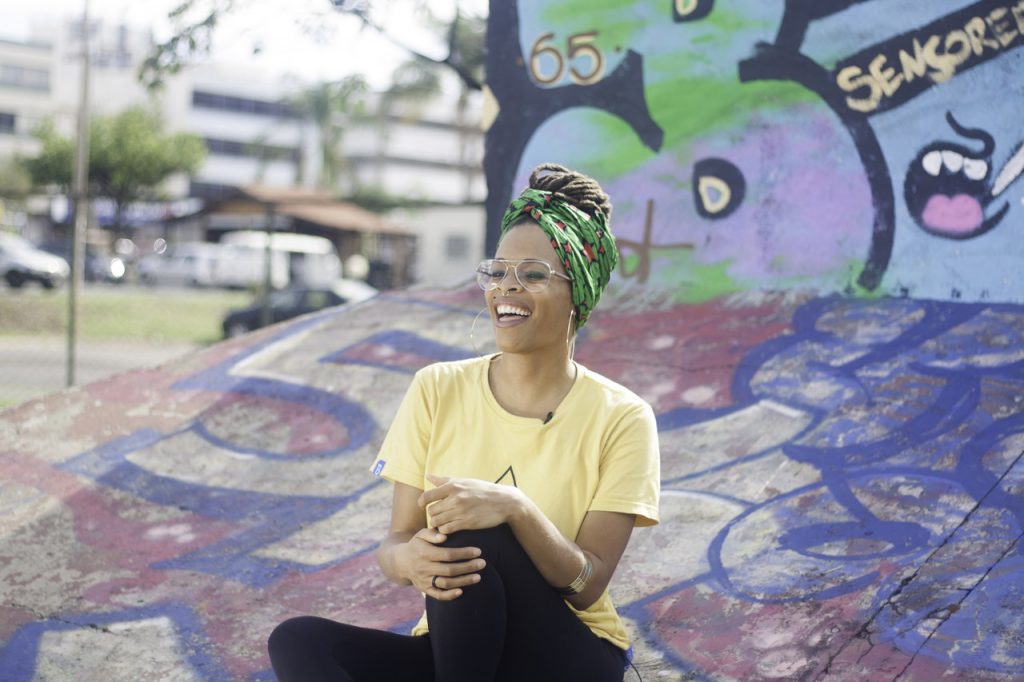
292	302
21	262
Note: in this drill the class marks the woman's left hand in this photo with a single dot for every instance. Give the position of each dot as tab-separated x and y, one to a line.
469	504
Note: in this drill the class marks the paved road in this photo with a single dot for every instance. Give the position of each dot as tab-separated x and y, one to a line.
33	366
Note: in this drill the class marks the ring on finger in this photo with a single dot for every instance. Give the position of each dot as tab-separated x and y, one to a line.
433	583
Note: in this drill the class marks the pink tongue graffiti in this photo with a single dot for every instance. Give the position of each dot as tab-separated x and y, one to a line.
959	214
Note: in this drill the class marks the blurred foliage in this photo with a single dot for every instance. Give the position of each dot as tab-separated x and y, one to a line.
15	181
195	23
379	200
129	156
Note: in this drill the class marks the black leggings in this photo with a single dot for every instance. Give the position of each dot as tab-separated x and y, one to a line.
510	627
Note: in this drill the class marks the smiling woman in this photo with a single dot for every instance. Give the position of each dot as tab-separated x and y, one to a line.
519	477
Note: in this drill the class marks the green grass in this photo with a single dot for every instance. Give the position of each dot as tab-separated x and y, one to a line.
153	315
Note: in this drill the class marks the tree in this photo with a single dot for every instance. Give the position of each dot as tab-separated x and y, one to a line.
196	23
129	157
15	182
329	107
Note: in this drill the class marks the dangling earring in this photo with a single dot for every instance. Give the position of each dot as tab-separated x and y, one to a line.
570	338
472	332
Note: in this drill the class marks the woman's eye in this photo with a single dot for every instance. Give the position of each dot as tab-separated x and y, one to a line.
536	275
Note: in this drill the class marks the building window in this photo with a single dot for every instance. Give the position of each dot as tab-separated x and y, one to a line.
252	150
456	247
7	122
211	191
23	77
242	105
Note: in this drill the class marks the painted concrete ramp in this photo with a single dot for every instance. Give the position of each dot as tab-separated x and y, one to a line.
843	492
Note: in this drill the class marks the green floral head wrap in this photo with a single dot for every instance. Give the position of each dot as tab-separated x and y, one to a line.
583	243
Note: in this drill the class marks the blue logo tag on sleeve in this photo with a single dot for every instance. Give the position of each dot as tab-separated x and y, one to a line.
378	467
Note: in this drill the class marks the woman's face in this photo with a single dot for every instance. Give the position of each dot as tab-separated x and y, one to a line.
527	321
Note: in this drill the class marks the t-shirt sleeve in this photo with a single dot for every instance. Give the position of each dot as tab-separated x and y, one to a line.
630	470
403	454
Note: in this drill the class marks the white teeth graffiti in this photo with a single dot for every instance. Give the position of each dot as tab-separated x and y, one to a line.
932	162
975	169
952	160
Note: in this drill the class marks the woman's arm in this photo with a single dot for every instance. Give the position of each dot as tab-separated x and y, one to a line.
410	555
602	539
466	504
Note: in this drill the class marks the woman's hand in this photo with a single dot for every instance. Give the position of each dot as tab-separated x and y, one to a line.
469	504
438	572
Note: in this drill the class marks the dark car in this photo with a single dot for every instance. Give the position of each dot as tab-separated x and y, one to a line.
100	266
294	301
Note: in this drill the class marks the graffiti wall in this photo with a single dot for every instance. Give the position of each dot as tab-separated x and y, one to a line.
853	146
843	476
842	493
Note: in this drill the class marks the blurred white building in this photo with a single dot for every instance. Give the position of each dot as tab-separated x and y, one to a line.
430	152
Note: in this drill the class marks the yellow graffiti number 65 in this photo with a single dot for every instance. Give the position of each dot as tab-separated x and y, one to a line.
580	45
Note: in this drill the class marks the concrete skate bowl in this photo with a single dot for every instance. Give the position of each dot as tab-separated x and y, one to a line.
842	491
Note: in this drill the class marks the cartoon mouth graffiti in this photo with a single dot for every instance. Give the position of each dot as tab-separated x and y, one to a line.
947	187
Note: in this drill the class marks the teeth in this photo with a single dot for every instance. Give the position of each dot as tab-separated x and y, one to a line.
954	160
505	309
933	161
975	169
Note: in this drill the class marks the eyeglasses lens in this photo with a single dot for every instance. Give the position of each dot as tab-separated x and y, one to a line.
532	275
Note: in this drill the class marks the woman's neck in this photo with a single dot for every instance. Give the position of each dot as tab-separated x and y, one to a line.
531	385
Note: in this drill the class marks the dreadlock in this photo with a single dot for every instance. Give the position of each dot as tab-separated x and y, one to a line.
580	190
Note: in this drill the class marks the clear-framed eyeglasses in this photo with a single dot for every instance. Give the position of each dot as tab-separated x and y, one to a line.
533	274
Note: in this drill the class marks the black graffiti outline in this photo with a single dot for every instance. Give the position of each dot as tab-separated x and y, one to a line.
523	107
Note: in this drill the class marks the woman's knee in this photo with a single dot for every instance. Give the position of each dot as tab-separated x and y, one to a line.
292	633
486	539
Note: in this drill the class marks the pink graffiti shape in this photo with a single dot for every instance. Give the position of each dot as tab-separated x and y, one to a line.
958	215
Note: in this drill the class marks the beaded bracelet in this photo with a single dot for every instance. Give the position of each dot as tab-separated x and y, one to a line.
577	585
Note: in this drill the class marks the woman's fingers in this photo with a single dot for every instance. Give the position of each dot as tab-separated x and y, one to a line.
431	535
451	583
447	580
462	568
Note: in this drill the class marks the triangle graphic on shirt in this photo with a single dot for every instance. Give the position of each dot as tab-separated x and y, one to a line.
508	473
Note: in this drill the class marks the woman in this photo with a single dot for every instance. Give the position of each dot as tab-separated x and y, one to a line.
518	479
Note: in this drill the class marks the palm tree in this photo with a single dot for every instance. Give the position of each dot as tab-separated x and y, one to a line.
328	108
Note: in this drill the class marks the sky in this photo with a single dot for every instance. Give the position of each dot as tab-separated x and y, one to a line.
305	39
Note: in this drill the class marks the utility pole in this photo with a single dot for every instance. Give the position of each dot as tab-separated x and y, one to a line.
266	314
80	191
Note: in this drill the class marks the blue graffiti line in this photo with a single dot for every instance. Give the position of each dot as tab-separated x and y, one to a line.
980	633
357	421
951	424
677	418
266	518
423	351
957	400
907	539
638	611
19	657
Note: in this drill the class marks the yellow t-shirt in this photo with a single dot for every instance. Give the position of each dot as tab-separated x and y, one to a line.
599	451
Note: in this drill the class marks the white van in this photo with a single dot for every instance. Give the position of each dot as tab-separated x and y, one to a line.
186	264
296	259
